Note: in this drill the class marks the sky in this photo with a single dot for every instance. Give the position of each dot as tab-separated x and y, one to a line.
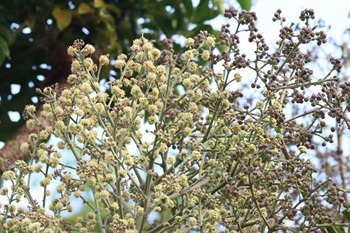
334	13
335	16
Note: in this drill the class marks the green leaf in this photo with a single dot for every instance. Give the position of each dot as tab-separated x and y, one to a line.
201	27
7	34
220	5
245	4
177	18
335	229
2	56
99	4
203	13
84	8
4	50
189	7
63	17
161	17
346	212
30	22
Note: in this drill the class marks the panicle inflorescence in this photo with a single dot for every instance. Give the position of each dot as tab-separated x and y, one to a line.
206	158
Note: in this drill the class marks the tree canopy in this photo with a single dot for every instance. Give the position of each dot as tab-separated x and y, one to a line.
34	36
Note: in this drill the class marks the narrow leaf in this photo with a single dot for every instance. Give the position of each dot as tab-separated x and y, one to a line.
335	229
4	47
30	22
84	8
7	34
2	56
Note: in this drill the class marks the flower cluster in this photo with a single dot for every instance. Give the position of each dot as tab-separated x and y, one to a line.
205	159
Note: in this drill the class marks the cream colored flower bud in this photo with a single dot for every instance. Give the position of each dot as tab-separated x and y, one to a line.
192	221
30	108
135	48
187	131
196	155
104	194
152	109
136	91
302	149
115	206
4	191
91	215
86	88
139	56
260	105
31	124
277	105
149	66
171	160
189	42
119	64
33	137
102	97
189	55
60	188
156	53
71	51
75	67
122	57
147	46
122	173
24	147
206	55
161	69
211	41
89	49
44	134
238	77
104	60
45	182
88	63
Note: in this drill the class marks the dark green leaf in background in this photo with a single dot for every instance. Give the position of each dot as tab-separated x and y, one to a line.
245	4
346	212
6	38
335	229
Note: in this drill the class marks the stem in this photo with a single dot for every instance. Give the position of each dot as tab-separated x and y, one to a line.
304	84
255	201
341	163
44	197
99	219
304	114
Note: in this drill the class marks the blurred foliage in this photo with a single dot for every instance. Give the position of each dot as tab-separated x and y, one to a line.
245	4
35	33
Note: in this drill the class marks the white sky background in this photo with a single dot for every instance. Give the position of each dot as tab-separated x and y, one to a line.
333	12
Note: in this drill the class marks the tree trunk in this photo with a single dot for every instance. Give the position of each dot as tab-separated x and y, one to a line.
60	63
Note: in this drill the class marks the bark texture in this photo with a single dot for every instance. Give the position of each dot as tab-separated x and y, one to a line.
60	63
